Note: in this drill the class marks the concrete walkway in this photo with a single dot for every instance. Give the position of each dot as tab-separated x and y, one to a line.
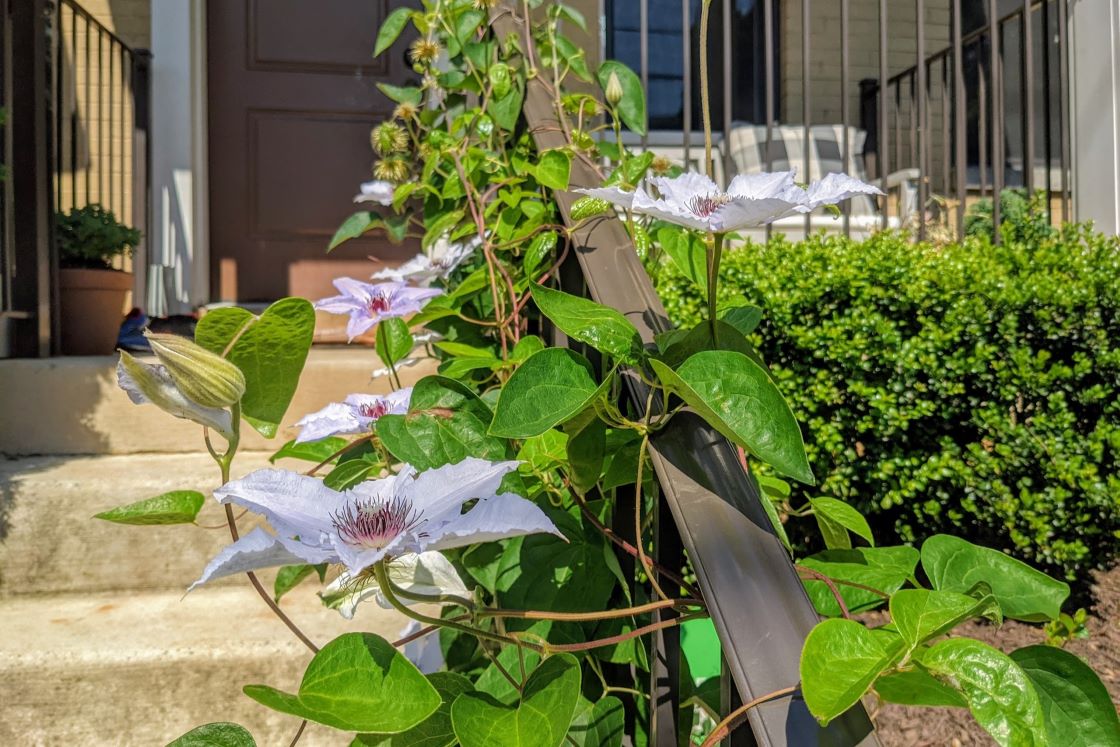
99	645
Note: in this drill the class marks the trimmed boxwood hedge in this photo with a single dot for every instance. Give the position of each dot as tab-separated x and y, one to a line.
967	388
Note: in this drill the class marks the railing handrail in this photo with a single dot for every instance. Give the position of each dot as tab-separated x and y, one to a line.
749	582
89	18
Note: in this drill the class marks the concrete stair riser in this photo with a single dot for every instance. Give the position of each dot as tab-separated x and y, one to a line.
74	406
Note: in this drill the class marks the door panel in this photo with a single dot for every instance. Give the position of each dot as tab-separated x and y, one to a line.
292	98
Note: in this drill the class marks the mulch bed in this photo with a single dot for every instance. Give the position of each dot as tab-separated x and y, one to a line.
904	726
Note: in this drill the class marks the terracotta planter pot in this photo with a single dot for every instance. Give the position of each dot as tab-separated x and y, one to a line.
93	305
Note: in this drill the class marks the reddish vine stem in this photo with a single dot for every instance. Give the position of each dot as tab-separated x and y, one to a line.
842	582
810	573
735	718
583	616
299	733
427	630
348	447
622	637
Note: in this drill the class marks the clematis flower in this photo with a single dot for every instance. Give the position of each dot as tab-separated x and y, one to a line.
694	200
438	264
353	415
367	304
148	383
424	652
400	515
378	190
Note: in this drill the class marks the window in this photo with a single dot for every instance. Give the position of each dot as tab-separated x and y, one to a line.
666	69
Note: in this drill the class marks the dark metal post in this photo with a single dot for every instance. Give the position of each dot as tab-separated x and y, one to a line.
1027	76
768	50
960	134
686	71
727	73
883	145
33	289
806	176
665	645
1064	103
997	118
643	58
141	168
923	137
1047	130
845	143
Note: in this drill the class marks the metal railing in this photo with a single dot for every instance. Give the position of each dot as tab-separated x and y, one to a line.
709	507
943	125
77	98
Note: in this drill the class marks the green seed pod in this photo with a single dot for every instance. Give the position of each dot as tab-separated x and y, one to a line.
202	377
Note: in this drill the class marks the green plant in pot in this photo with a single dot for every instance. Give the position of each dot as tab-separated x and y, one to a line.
93	294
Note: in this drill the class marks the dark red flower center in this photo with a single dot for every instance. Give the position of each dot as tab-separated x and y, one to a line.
373	523
704	205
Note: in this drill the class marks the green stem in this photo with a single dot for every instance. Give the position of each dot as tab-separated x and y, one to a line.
705	98
715	253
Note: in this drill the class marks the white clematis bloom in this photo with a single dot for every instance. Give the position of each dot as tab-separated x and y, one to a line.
147	383
694	200
353	415
428	573
439	263
423	652
391	518
378	190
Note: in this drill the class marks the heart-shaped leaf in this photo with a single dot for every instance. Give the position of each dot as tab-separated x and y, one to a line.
836	519
435	731
1023	593
548	389
357	682
554	168
687	252
840	660
999	694
540	719
737	398
394	341
601	327
921	614
882	568
270	350
391	29
601	724
446	422
310	451
175	507
221	734
1075	704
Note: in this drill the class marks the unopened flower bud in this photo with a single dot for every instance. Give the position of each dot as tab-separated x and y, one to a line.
614	89
202	376
148	384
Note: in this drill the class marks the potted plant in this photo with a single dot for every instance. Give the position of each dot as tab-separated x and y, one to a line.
92	294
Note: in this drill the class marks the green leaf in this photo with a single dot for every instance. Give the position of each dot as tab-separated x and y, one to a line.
737	398
836	519
688	254
920	614
999	694
394	341
357	682
554	169
289	576
439	227
587	207
1023	593
391	29
601	327
540	249
883	568
677	348
220	734
541	719
446	422
1076	706
507	110
917	687
601	724
744	318
632	107
587	444
546	390
354	226
270	350
309	451
402	95
840	660
175	507
435	731
349	473
526	348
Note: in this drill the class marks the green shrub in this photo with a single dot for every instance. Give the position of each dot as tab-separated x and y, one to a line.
967	388
92	237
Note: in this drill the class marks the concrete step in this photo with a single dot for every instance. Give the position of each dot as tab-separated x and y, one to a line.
73	405
50	544
142	668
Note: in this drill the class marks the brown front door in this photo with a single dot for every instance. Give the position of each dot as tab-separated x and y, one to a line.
292	99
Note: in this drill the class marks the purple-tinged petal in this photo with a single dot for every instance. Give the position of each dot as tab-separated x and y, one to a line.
419	270
335	419
680	190
378	191
359	324
491	519
438	491
295	505
425	652
834	188
743	212
257	549
615	196
337	304
679	213
763	185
